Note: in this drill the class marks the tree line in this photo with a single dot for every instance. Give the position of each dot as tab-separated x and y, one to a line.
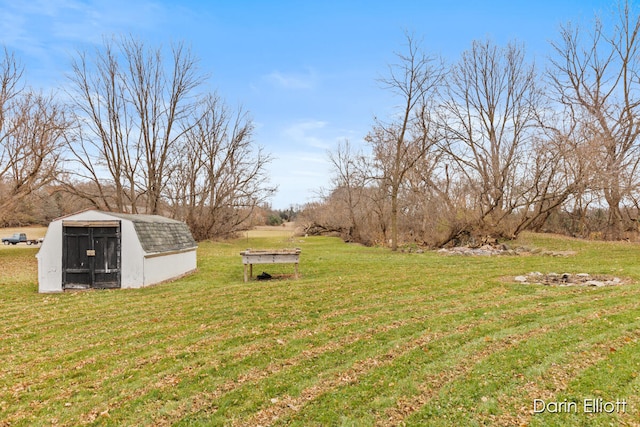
491	145
134	131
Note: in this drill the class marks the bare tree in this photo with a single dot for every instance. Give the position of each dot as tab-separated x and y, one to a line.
400	143
101	144
559	168
10	86
597	75
435	197
31	133
131	110
220	177
351	176
490	116
163	103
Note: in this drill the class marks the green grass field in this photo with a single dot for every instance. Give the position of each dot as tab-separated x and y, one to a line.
364	337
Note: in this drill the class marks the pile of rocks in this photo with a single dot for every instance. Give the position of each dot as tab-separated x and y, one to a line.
490	250
567	279
486	250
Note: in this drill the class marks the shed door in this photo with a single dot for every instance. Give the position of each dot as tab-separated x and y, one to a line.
91	257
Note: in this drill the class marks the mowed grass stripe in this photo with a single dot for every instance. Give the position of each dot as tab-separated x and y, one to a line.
365	399
477	395
136	363
292	361
552	382
447	324
622	370
211	348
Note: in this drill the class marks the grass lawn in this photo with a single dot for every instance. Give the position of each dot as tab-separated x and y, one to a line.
364	337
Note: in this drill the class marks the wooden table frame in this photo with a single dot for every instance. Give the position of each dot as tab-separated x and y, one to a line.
277	256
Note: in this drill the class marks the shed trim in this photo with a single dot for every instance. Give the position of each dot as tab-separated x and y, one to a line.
179	251
93	223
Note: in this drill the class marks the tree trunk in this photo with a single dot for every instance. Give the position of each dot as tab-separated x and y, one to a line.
394	218
615	220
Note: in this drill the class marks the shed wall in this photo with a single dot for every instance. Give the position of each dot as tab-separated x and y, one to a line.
50	260
132	268
164	267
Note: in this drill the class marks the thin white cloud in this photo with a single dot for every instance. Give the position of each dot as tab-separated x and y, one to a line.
298	175
309	133
106	18
25	25
51	8
313	158
44	34
12	27
306	80
300	165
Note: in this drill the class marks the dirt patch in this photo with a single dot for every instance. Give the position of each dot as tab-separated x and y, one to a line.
569	279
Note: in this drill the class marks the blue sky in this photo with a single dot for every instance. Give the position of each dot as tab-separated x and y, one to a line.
306	71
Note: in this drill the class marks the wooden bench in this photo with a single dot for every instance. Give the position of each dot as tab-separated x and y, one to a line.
269	256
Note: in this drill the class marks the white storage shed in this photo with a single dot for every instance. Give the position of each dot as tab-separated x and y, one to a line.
95	249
